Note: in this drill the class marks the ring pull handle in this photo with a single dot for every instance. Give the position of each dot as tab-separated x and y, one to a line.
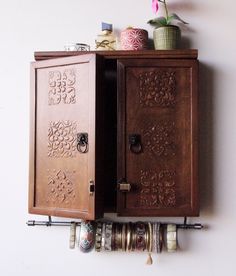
82	142
135	145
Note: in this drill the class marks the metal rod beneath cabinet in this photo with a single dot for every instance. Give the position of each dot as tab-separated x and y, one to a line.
185	225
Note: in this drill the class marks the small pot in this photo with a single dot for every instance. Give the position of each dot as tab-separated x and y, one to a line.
167	37
134	39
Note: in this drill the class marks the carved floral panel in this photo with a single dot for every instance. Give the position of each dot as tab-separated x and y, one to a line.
62	139
159	138
60	187
157	88
62	87
157	189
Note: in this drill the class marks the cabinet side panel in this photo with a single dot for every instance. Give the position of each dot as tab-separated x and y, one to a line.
31	195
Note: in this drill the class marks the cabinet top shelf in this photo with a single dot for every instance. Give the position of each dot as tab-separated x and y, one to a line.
163	54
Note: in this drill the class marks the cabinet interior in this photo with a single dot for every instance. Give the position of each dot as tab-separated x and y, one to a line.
110	177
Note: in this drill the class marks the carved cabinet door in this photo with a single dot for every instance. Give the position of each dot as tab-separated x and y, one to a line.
63	149
157	137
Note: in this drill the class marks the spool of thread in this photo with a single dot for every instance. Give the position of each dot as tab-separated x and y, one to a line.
134	39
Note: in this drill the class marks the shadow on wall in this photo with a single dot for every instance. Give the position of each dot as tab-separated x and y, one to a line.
182	6
206	142
206	158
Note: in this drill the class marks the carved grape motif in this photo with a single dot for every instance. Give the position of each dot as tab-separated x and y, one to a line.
157	88
60	187
62	139
62	87
159	138
157	189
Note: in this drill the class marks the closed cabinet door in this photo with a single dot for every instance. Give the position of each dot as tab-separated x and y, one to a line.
157	138
62	153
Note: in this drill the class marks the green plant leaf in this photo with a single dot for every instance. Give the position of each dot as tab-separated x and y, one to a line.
158	22
174	16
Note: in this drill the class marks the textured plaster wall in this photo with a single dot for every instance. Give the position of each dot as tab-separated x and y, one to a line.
26	26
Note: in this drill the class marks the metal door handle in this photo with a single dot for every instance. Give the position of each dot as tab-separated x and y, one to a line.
82	142
135	145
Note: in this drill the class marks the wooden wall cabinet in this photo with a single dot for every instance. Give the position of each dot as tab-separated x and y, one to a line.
137	111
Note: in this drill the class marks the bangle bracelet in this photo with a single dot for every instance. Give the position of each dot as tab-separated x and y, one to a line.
108	236
154	237
129	237
98	238
119	236
103	235
147	237
161	238
72	235
113	237
171	237
150	242
124	229
133	237
86	240
118	241
157	238
140	230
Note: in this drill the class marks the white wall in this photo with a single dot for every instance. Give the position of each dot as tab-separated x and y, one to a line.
26	26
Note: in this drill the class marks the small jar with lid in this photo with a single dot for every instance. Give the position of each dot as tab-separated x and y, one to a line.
134	39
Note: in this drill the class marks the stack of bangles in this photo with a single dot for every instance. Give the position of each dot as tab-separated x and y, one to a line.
131	236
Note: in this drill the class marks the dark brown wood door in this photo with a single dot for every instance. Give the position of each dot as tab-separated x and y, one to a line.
157	137
62	173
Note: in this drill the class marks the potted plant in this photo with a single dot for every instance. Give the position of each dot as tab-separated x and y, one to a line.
165	35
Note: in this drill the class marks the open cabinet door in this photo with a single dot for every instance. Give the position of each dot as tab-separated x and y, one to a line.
66	118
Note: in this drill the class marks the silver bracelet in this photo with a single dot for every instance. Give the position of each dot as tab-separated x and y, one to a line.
154	234
158	238
103	235
98	238
72	235
108	236
171	237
